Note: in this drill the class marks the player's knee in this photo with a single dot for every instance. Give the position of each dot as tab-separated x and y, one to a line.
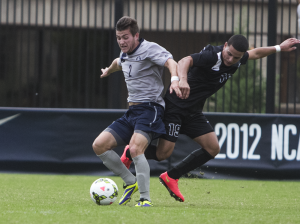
134	150
99	147
218	150
96	148
215	150
164	154
104	142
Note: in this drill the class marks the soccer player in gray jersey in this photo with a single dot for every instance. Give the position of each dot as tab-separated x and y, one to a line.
142	63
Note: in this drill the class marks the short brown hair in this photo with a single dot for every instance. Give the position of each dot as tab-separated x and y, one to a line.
126	22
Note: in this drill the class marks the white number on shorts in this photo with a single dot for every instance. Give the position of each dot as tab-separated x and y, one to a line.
174	129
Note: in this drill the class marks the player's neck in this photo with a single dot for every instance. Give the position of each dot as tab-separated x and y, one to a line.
136	46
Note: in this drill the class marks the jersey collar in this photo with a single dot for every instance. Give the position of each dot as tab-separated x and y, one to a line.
125	56
140	40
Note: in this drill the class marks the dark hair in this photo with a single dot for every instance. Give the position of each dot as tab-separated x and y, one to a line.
239	42
126	22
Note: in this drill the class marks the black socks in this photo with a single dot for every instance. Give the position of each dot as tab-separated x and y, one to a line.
191	162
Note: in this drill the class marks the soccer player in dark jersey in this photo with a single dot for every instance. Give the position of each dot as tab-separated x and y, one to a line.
201	75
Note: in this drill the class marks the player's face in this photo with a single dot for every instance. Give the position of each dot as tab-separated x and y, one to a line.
230	56
126	41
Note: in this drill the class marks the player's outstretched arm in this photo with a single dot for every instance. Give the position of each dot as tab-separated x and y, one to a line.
182	68
172	66
261	52
112	68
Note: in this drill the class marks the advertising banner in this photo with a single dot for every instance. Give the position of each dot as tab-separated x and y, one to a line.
256	146
253	146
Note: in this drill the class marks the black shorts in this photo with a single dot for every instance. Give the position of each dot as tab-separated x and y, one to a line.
182	121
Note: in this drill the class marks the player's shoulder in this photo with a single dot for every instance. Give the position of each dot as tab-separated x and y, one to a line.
212	50
153	50
150	45
208	55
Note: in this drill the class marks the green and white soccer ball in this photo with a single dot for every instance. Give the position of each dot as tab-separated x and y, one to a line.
104	191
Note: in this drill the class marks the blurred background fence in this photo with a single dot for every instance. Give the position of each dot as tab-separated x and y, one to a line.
52	51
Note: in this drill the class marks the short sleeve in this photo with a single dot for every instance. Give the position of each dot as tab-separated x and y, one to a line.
244	59
203	58
120	58
158	54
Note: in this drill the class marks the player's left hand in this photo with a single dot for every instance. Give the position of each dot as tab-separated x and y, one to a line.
289	44
175	87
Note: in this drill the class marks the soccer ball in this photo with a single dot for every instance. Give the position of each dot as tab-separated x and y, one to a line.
104	191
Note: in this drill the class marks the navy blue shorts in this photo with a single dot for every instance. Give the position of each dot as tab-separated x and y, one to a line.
143	118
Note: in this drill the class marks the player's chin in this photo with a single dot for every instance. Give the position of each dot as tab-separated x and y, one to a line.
124	50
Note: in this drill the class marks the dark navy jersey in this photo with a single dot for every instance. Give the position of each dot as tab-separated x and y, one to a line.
207	75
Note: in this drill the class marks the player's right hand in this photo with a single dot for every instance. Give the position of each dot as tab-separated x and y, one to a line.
185	89
105	72
175	87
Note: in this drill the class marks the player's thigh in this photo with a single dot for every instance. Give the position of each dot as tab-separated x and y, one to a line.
105	141
198	128
209	142
172	122
138	143
196	124
166	142
148	118
116	134
122	130
164	149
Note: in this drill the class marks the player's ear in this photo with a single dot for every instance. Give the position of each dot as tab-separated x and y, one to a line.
137	36
225	45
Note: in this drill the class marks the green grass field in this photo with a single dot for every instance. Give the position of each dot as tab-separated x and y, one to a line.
65	199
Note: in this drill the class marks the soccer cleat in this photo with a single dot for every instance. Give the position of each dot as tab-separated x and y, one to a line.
144	203
127	162
129	191
172	186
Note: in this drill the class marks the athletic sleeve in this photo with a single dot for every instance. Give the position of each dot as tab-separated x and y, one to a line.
158	54
204	58
244	59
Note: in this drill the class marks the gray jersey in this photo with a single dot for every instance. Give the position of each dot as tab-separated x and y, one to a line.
143	69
